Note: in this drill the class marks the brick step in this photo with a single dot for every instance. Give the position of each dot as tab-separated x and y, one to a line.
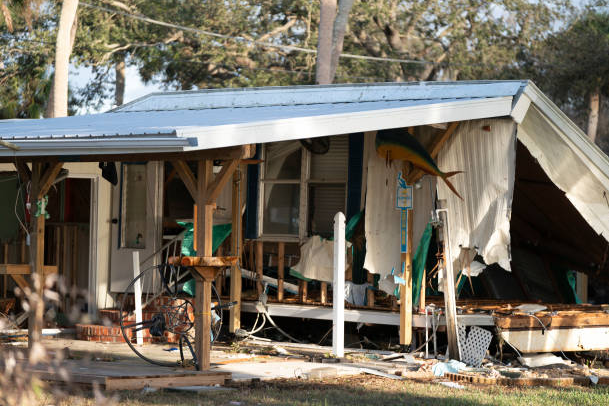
113	334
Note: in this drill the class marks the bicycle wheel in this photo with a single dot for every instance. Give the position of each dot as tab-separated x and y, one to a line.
167	315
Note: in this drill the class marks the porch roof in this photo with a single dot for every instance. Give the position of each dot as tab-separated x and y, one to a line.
206	119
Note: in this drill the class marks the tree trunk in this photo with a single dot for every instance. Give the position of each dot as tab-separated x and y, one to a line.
338	33
327	14
119	84
593	107
58	102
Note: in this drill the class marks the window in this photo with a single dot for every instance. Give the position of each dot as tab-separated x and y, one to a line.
301	191
133	206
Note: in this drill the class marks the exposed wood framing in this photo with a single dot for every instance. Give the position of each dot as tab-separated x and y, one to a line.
406	290
370	292
259	263
188	178
221	179
234	321
41	180
280	269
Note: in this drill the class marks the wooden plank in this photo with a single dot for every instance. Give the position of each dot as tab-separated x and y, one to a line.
48	178
188	178
221	179
450	307
551	321
169	381
209	261
280	269
259	257
422	293
234	321
20	281
435	148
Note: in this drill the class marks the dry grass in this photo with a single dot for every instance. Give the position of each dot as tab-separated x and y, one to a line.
359	390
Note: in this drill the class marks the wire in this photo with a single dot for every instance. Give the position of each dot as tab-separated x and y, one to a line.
149	20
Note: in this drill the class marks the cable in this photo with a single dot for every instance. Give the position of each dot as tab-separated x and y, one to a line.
251	41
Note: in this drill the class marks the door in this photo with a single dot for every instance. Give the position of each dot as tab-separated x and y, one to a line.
137	220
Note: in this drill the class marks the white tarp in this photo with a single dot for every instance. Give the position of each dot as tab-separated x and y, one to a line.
382	219
488	160
317	259
586	191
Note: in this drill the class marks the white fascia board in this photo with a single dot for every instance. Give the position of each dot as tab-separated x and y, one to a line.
520	108
346	123
596	160
319	94
95	146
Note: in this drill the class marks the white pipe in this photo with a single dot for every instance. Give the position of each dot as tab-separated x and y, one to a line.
137	291
338	304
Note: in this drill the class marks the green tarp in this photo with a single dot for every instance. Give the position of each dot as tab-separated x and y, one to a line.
220	232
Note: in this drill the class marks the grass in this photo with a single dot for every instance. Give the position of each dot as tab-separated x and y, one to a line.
359	390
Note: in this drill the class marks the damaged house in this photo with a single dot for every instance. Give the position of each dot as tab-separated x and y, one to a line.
526	220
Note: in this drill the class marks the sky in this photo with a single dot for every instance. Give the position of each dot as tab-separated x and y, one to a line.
134	87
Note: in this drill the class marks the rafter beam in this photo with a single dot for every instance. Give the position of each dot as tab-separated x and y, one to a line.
187	177
213	191
48	177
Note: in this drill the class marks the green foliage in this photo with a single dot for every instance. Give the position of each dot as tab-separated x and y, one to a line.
26	52
575	61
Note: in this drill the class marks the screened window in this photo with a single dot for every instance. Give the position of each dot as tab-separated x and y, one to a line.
301	191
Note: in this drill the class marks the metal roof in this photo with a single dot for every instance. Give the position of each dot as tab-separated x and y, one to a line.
204	119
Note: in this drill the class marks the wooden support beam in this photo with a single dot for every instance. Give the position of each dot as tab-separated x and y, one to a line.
48	178
214	190
324	293
23	171
435	148
406	290
36	315
259	263
280	269
187	177
370	292
422	293
234	321
303	291
204	226
450	301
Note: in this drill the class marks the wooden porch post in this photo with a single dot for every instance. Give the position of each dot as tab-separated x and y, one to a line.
41	182
204	230
406	289
234	321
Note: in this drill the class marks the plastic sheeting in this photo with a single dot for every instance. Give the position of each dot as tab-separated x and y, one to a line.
317	259
585	188
481	220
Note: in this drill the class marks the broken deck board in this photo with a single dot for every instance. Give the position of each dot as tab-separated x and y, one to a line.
122	376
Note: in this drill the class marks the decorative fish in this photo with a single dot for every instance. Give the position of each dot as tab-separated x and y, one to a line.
401	145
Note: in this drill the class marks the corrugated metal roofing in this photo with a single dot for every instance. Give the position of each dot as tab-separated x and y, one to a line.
204	119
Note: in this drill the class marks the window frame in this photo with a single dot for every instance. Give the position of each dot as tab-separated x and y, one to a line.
305	182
